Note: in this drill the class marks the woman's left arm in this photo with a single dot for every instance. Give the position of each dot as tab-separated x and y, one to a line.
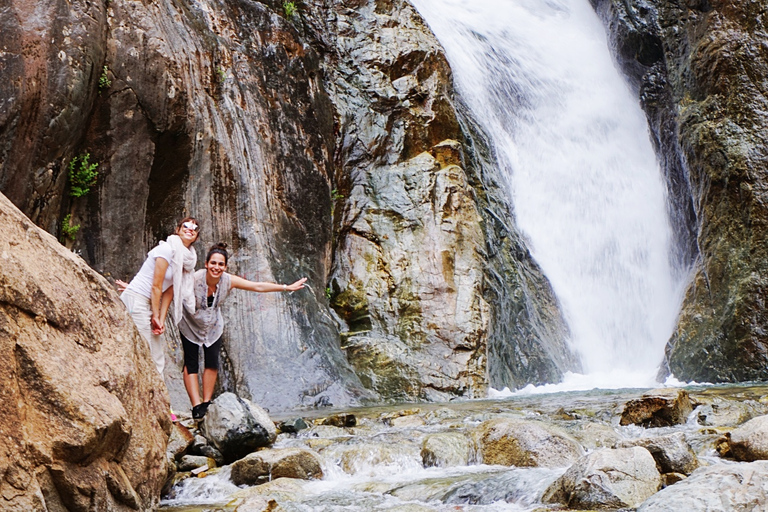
255	286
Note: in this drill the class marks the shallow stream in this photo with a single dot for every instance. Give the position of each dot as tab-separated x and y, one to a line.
377	465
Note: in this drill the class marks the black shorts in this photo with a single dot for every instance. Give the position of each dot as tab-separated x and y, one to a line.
192	354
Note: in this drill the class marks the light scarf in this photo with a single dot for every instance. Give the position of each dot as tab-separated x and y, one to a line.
184	261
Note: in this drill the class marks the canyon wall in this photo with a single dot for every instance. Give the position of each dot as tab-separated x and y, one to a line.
327	144
700	68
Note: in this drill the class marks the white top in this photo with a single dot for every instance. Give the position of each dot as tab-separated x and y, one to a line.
142	282
207	324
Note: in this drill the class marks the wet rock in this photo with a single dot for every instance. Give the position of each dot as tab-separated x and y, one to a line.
266	465
672	453
668	479
593	435
718	488
340	420
658	408
607	479
407	418
236	427
326	432
293	425
190	462
525	444
728	413
180	441
445	450
749	442
256	504
85	421
365	457
282	489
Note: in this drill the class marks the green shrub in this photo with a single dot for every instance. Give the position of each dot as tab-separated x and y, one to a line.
104	81
82	175
290	9
67	229
222	74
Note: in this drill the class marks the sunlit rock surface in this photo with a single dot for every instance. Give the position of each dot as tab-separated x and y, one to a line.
85	417
720	488
607	479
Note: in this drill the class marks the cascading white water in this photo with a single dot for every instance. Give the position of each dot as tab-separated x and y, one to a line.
586	187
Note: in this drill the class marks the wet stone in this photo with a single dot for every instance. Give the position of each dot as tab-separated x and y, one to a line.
293	425
340	420
658	408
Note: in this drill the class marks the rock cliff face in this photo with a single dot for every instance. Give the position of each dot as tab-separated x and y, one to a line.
83	414
705	63
325	144
438	295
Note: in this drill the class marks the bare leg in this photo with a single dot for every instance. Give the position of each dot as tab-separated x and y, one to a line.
209	381
190	382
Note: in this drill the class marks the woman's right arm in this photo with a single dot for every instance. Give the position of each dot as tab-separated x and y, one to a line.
156	298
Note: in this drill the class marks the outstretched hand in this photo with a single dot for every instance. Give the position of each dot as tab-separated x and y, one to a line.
121	285
298	285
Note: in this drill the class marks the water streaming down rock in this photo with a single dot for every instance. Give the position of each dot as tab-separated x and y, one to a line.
584	180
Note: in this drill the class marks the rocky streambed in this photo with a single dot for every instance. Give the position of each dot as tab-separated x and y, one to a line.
701	448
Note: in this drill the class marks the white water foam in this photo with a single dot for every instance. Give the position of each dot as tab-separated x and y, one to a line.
586	187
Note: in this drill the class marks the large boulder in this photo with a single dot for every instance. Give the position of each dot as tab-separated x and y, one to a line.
718	488
521	443
749	442
658	408
607	479
267	465
85	416
672	453
237	427
445	450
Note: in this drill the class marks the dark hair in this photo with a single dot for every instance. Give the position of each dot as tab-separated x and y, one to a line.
219	248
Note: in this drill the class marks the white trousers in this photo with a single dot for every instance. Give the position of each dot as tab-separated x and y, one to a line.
140	309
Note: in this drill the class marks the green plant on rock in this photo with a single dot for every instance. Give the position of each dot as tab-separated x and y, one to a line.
222	74
104	81
82	175
328	292
336	195
67	229
290	9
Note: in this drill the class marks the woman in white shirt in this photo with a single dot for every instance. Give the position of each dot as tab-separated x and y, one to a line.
204	326
166	274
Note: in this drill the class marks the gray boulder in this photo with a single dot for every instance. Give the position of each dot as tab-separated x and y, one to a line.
672	453
510	442
445	450
607	479
236	427
749	442
267	465
719	488
658	408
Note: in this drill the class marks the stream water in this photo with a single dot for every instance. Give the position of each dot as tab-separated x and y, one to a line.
377	465
583	178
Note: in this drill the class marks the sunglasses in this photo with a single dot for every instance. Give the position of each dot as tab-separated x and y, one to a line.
190	225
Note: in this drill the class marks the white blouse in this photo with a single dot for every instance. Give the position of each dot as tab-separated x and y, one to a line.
207	324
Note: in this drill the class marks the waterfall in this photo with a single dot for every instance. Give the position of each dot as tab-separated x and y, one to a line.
573	147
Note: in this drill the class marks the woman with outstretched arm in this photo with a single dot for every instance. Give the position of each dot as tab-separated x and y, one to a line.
204	327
